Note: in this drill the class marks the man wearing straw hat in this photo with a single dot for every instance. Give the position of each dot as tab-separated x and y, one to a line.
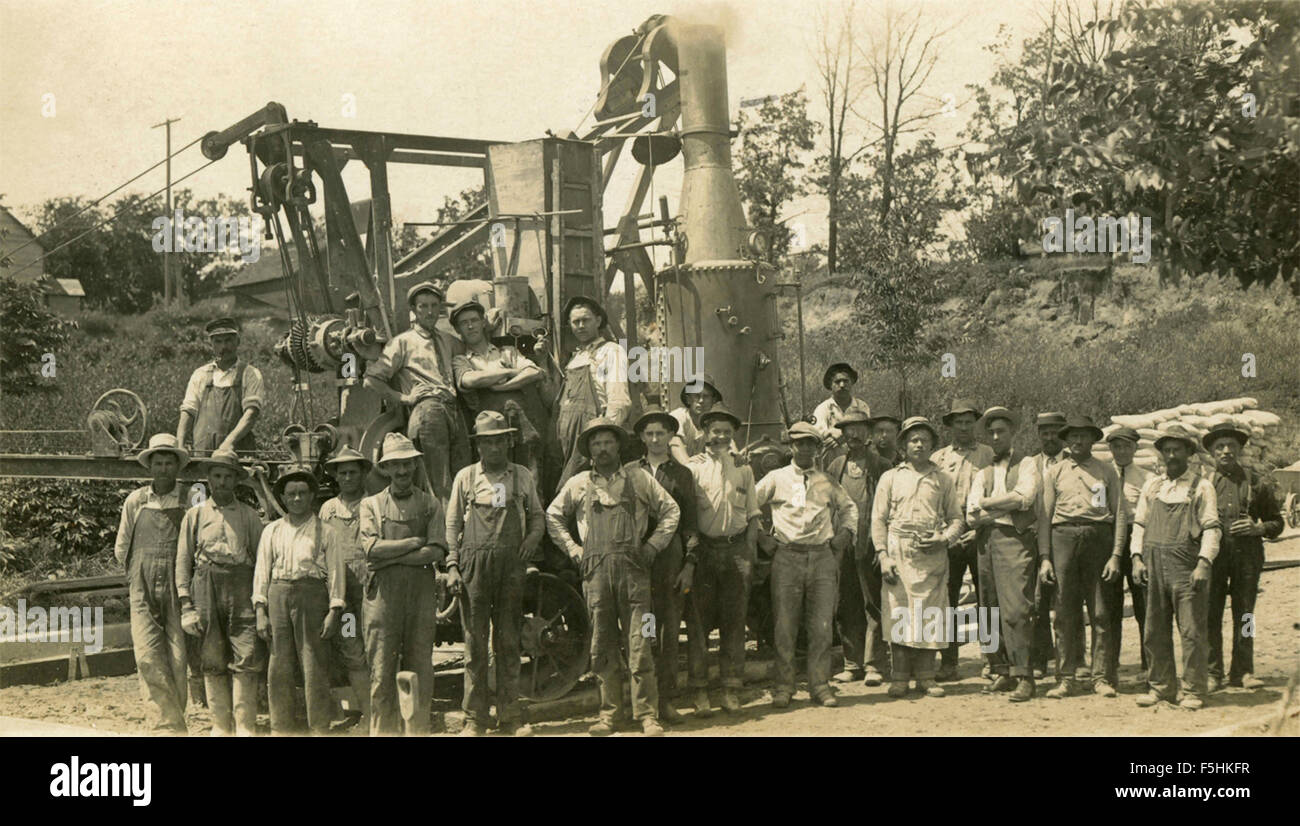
1123	442
595	380
612	505
1080	531
146	546
813	522
1176	535
494	529
1248	513
214	580
299	586
915	516
1001	507
343	513
403	535
223	397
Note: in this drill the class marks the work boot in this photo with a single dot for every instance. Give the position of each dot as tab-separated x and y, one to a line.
244	694
1024	690
670	715
1250	681
1063	689
931	688
218	691
898	689
1149	699
516	730
828	700
847	676
1191	702
947	674
873	677
780	699
1104	689
1002	682
1214	684
650	727
471	728
703	706
601	728
730	702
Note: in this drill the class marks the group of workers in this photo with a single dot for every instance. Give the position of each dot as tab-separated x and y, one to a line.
869	530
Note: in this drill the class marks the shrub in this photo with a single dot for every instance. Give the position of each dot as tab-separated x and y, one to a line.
27	332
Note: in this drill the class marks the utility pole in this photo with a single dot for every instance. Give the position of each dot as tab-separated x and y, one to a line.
170	290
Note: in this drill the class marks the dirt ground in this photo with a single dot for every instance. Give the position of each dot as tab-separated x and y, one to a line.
114	704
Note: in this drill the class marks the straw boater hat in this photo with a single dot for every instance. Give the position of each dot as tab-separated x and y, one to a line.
1051	419
491	423
800	431
961	406
1225	429
1123	433
594	427
467	304
914	422
704	379
346	454
655	413
585	301
720	411
221	327
425	287
998	412
838	367
397	446
1177	433
160	443
1080	422
227	459
298	473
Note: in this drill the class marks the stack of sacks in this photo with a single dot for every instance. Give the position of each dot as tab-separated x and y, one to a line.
1243	413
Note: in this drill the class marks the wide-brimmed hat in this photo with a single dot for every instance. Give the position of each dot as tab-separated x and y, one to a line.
1225	429
801	430
347	454
1124	433
914	422
226	459
998	412
701	379
425	287
655	413
163	442
467	304
594	427
1176	433
1079	422
584	301
838	367
221	327
961	406
292	473
1051	419
885	417
397	446
491	423
720	411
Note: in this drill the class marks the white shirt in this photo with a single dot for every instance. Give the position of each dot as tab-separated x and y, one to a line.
199	379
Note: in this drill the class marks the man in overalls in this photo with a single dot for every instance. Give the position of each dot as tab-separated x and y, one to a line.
494	529
343	513
595	381
214	579
612	505
298	588
146	547
915	516
224	396
1176	535
404	536
1248	513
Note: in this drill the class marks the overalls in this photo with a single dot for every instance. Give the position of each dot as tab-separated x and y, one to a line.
579	404
156	632
349	651
400	614
223	598
493	578
220	409
1171	546
616	584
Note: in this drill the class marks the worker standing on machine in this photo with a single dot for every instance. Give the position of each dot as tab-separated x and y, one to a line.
224	396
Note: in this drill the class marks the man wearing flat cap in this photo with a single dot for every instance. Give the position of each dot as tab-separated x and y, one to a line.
419	360
1001	508
961	460
839	378
404	536
595	380
612	505
223	398
1123	442
494	529
146	546
1248	514
813	523
214	580
1176	536
1080	530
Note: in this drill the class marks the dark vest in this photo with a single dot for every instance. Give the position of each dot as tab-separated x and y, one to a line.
1023	520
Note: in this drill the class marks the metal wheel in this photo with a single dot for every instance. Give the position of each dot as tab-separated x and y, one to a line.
1291	510
556	638
131	412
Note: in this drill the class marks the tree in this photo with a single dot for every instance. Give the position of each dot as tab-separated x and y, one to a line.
28	331
476	260
769	164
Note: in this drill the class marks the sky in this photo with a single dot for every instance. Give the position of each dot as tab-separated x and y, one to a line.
85	81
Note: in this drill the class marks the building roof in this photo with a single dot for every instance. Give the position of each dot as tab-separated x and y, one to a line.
63	286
